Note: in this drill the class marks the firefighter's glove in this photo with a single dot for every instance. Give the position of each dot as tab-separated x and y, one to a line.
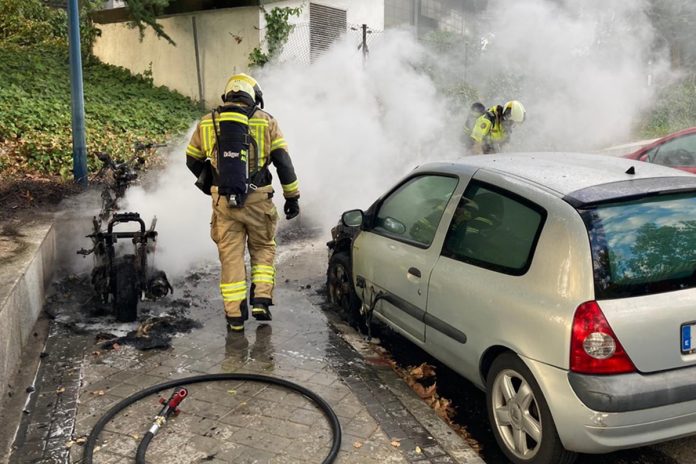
292	208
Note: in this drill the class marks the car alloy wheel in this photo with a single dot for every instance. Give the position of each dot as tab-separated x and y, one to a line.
519	415
516	414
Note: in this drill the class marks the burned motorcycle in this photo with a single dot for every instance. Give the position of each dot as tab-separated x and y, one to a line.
123	174
121	273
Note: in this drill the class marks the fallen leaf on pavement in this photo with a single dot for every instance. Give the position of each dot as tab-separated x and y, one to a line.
424	392
357	444
418	450
423	371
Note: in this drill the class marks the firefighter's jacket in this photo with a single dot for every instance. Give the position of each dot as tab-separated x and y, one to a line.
489	129
271	148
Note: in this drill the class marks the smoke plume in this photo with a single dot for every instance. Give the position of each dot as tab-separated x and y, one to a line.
355	127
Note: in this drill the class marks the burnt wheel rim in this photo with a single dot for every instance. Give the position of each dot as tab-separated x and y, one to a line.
516	414
339	286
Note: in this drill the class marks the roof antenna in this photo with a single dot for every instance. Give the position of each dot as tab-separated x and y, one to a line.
631	170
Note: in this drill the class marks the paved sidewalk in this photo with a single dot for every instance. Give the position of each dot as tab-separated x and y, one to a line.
240	422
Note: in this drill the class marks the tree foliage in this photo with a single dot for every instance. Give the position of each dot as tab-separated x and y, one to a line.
675	23
29	23
278	29
144	14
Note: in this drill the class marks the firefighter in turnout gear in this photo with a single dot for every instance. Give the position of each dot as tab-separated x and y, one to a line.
229	153
492	129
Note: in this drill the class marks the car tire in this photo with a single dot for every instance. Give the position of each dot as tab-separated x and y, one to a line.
126	289
339	286
519	415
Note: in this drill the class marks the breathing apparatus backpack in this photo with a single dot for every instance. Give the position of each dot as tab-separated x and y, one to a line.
233	143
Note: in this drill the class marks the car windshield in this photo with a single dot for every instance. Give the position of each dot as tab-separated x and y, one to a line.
643	246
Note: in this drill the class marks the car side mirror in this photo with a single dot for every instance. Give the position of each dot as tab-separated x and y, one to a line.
352	218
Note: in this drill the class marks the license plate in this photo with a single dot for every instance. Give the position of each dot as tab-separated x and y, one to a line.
688	338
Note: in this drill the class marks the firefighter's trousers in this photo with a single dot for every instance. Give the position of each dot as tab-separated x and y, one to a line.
231	229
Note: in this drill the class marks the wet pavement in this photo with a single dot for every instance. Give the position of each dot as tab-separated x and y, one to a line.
232	421
382	420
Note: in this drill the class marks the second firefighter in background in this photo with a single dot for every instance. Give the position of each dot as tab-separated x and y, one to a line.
252	224
489	130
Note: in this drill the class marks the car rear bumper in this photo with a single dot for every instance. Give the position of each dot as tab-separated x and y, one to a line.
631	392
586	430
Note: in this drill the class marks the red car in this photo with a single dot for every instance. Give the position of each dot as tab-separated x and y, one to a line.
677	150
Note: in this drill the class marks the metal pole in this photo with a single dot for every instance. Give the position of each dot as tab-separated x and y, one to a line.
365	51
78	98
201	99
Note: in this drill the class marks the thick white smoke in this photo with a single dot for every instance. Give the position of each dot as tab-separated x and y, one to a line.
354	128
582	69
183	214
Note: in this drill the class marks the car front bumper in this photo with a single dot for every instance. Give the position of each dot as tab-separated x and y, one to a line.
586	430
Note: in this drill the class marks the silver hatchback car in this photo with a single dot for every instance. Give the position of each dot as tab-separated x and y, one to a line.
564	285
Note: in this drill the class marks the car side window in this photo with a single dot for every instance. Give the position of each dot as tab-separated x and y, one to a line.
677	152
412	212
494	229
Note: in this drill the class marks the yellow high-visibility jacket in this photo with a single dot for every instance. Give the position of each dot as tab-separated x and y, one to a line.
489	130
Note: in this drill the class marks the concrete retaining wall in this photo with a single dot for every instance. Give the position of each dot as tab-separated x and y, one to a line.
225	39
26	269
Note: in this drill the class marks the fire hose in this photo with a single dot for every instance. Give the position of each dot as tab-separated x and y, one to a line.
170	407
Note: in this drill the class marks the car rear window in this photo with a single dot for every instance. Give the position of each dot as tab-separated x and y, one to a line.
643	246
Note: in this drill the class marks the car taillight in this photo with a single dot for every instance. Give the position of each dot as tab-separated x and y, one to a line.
594	348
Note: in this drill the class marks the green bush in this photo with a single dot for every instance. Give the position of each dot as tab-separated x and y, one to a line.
675	109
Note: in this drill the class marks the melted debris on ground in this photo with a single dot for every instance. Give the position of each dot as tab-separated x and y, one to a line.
75	306
152	333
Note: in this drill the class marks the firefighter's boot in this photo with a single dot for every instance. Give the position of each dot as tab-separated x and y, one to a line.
261	312
236	324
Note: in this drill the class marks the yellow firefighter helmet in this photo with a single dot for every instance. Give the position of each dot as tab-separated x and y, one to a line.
514	111
241	85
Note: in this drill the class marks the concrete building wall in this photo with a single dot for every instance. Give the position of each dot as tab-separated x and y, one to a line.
225	39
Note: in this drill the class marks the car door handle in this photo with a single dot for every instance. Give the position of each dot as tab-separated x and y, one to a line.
414	272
